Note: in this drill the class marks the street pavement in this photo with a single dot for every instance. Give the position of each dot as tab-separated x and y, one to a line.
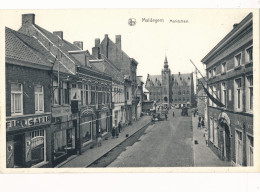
164	144
203	155
91	155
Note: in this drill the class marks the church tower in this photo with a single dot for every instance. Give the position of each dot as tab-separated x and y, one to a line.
166	82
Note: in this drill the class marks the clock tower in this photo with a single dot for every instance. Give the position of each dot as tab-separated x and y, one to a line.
166	78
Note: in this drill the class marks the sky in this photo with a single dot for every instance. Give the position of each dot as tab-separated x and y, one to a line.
146	42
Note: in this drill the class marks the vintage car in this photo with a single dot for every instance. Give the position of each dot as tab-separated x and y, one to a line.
184	111
156	117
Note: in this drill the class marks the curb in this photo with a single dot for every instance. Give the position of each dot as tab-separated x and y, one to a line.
118	144
74	156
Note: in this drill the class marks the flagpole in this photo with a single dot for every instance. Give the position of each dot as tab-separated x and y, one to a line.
203	78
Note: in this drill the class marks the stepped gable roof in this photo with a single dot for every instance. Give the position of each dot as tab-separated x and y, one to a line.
182	79
21	47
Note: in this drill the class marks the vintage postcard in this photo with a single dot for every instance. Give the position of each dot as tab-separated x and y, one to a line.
129	90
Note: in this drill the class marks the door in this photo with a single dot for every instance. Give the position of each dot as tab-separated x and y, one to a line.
18	150
227	143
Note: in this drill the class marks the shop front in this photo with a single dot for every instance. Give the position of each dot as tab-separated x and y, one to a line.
104	123
87	127
64	134
26	141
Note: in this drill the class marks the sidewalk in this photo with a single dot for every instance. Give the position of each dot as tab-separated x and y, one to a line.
91	155
203	155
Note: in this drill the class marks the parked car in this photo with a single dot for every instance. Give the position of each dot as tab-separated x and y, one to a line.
157	117
184	111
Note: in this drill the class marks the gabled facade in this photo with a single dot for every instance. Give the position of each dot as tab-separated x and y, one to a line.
171	89
80	94
229	67
113	52
28	106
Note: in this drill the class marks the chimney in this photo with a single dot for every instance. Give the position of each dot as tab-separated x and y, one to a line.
59	33
28	19
79	44
97	42
118	41
235	25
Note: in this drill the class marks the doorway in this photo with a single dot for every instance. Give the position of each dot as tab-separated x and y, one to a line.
18	150
227	143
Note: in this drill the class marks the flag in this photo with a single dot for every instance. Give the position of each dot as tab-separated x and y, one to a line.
213	99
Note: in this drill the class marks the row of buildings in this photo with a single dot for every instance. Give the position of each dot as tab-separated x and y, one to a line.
229	67
172	89
60	96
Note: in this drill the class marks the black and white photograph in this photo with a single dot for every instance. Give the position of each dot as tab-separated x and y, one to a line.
131	89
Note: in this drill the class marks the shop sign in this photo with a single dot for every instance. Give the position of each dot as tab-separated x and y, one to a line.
28	121
61	111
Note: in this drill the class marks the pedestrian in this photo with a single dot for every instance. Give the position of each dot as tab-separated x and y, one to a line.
199	118
119	127
206	136
166	116
117	133
202	123
99	139
199	125
173	114
113	132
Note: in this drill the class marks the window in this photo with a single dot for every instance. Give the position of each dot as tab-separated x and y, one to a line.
224	67
55	93
65	90
238	60
99	92
16	99
183	98
183	92
215	133
239	148
250	150
127	95
214	95
238	94
37	146
249	54
84	95
249	93
214	72
86	128
93	95
224	94
211	92
210	73
39	99
211	129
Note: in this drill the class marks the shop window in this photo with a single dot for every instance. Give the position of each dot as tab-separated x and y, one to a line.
86	129
249	54
16	99
39	99
239	148
238	94
237	60
249	93
60	143
37	146
250	150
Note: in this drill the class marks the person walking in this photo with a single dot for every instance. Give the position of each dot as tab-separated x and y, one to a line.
119	127
99	139
173	114
113	132
202	123
166	116
206	136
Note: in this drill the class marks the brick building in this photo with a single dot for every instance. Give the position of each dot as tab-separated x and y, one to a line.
28	106
127	65
80	95
171	89
229	67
